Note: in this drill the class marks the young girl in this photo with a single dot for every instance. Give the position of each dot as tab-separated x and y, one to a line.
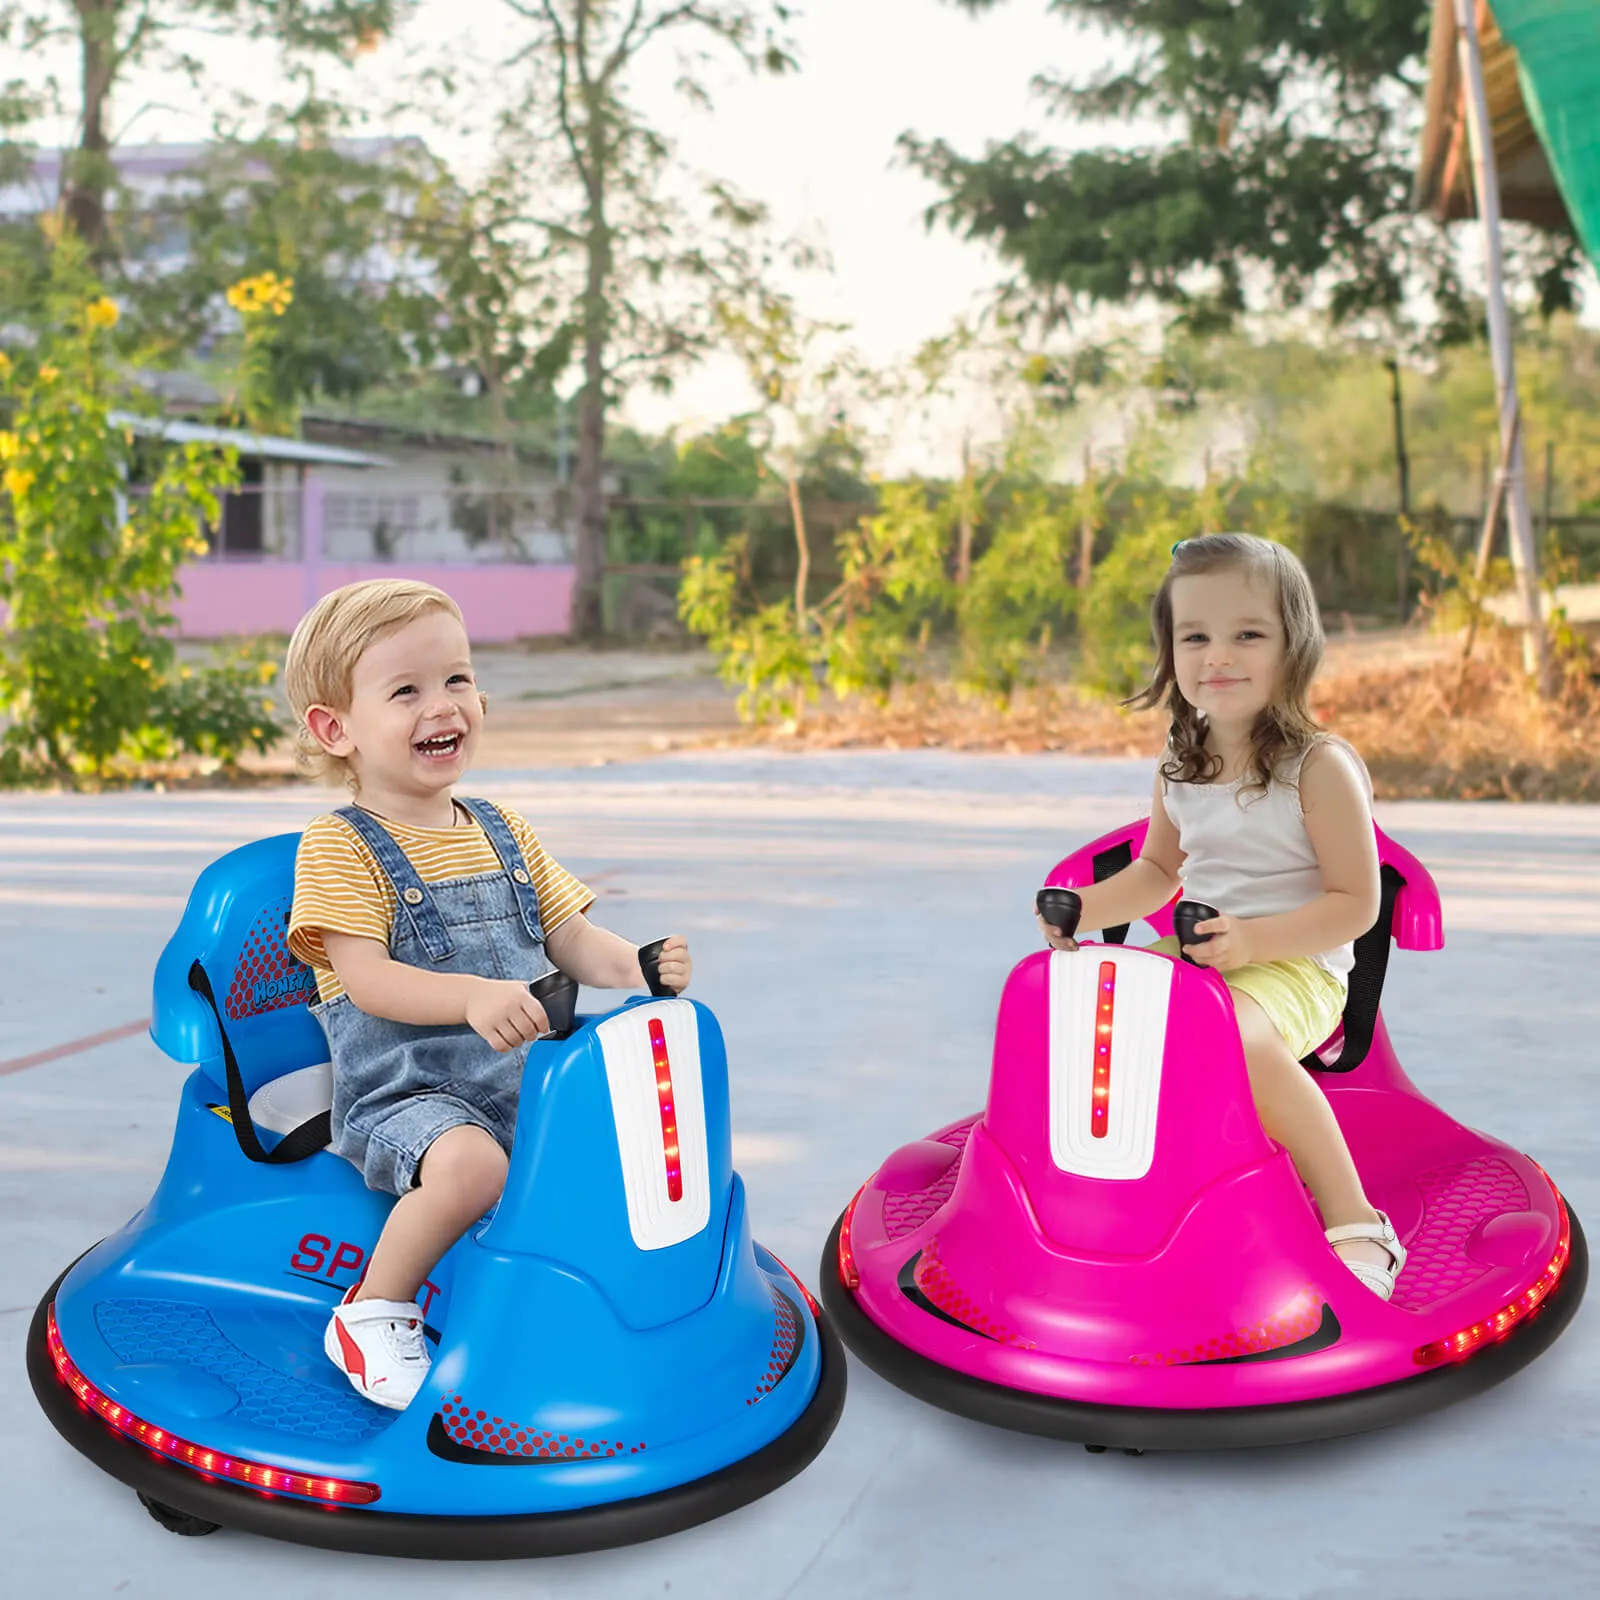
1258	813
425	918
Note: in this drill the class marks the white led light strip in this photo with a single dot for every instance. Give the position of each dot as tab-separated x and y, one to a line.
1138	1042
655	1219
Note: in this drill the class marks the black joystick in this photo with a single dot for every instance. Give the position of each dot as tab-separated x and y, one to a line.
650	966
1185	915
558	994
1060	908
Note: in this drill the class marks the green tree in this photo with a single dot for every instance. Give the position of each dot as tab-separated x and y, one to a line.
1287	159
114	38
293	203
646	268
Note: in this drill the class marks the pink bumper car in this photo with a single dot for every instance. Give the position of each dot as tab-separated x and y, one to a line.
1114	1252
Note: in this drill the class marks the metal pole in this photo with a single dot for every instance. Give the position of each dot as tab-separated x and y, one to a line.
313	515
1524	555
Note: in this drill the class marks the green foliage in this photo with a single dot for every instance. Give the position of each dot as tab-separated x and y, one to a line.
761	647
1021	589
893	587
89	561
218	712
1289	162
860	639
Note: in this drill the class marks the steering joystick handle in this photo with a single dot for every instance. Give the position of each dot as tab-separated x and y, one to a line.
650	966
558	994
1184	917
1060	908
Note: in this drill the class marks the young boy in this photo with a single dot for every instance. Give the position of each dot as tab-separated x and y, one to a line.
425	918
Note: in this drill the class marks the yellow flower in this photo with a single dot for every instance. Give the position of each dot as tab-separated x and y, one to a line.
17	482
5	365
101	313
48	373
8	446
264	292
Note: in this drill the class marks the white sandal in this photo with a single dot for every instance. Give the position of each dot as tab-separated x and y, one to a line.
1380	1280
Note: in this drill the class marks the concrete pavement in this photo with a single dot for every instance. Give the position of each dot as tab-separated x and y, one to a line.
852	917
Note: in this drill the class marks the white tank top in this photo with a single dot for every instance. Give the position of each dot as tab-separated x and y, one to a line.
1250	855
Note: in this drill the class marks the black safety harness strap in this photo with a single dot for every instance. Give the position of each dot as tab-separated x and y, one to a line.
295	1145
1366	982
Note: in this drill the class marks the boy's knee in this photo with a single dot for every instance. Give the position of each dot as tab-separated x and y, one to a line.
467	1161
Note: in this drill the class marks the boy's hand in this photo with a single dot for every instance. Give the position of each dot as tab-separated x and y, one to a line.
1054	937
505	1013
675	963
1229	947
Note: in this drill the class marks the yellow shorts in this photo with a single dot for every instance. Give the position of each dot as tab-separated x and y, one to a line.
1303	1001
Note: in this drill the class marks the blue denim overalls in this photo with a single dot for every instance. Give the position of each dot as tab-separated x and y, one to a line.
397	1085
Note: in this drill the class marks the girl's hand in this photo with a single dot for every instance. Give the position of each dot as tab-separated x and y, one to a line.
1054	937
675	963
1229	946
505	1013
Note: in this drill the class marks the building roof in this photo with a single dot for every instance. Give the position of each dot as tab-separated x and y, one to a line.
268	447
149	167
351	429
1529	191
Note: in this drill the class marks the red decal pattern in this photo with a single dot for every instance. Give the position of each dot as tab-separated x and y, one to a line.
1289	1324
785	1345
266	977
933	1279
477	1430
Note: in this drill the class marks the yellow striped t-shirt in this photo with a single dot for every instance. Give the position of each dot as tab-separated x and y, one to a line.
339	886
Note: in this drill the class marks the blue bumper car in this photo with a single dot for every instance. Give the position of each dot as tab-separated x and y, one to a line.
614	1357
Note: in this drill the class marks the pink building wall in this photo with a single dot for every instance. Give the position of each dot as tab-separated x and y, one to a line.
500	601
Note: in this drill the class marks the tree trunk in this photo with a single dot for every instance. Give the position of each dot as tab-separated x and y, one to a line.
803	547
88	172
1086	527
589	557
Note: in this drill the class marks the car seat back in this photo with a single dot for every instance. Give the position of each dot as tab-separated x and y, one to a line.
235	926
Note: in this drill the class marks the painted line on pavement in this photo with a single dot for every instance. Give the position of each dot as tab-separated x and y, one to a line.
39	1057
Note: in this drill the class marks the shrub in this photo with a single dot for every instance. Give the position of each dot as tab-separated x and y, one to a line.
88	564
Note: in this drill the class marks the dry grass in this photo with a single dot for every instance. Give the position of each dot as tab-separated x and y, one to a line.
1427	729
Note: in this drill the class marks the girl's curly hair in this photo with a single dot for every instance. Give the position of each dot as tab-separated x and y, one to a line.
1285	727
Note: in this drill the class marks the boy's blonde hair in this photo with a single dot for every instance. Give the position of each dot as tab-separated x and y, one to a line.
330	638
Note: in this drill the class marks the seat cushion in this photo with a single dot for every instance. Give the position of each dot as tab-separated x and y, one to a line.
282	1104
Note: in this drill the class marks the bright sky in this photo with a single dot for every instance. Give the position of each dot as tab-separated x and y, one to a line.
818	146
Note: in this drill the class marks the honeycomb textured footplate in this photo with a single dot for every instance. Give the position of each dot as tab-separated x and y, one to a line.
182	1333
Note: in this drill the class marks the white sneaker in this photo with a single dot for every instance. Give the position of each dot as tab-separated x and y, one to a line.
378	1345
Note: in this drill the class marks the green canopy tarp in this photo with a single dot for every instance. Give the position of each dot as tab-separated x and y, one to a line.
1558	62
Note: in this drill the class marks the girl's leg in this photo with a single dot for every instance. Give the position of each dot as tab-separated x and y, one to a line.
1296	1113
459	1178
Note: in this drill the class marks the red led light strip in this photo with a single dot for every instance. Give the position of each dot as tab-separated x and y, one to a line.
816	1310
849	1276
208	1463
669	1110
1100	1093
1460	1345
